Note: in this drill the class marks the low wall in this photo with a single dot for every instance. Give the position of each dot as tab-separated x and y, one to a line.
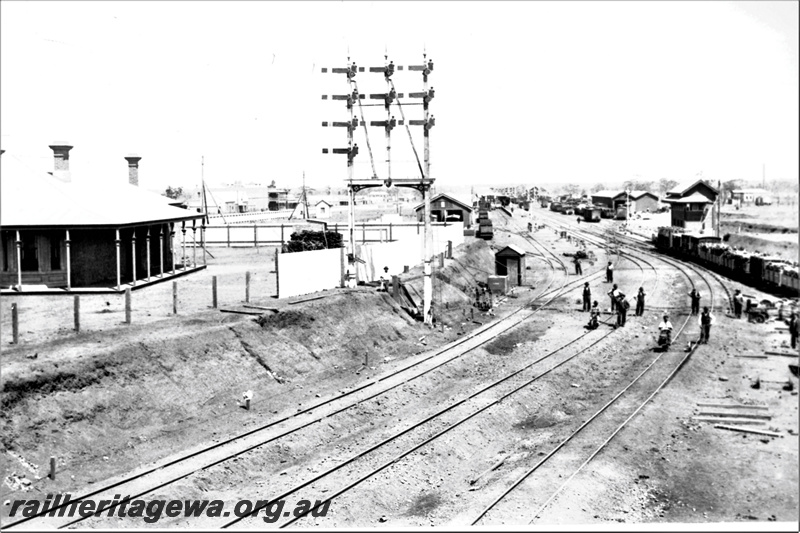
307	272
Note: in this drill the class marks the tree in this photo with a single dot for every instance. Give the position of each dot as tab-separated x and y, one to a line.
598	187
665	185
637	185
173	193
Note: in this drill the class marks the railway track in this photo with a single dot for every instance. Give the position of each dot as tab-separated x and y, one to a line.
328	485
614	415
162	475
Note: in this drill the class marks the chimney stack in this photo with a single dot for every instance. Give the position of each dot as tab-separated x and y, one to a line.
61	156
133	169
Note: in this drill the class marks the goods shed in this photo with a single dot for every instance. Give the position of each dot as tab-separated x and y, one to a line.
510	261
445	208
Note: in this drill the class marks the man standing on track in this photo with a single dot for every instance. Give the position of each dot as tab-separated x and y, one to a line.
695	296
640	302
706	321
578	269
587	297
793	329
622	310
610	275
738	302
613	293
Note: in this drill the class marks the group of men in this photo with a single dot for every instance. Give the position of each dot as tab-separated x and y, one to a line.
620	304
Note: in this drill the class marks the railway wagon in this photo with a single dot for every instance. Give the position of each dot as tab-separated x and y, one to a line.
606	212
591	214
770	273
555	206
485	229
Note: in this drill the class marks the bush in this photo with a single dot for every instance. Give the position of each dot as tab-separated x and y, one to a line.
726	237
313	240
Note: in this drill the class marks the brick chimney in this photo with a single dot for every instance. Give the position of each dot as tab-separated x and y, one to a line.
61	162
133	169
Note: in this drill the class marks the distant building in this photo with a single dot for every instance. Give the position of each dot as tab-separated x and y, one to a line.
751	196
643	201
80	236
323	209
445	208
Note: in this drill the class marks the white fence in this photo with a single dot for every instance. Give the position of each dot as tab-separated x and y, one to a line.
306	272
407	251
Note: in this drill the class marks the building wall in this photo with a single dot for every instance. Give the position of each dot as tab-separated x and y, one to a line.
645	202
603	201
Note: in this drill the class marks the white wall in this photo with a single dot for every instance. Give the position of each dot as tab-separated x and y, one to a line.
307	272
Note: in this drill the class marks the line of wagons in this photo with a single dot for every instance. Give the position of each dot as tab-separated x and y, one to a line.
591	213
485	229
755	270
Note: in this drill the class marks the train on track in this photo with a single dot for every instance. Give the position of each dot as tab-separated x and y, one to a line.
770	273
485	229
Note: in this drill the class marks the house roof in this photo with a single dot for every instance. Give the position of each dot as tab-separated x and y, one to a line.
323	201
638	194
607	193
686	185
447	196
694	198
35	199
512	247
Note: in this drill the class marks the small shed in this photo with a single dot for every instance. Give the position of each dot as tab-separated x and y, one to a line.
510	261
323	208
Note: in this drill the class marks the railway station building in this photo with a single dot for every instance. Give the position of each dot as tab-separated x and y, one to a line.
61	236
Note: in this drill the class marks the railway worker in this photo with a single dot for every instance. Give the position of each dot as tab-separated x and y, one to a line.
579	220
622	310
738	302
587	297
594	318
610	274
794	328
578	269
706	321
613	294
666	327
640	302
695	297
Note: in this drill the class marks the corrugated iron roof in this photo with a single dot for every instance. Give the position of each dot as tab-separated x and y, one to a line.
512	247
694	198
35	199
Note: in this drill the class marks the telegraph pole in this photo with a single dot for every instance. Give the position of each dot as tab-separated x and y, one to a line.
424	184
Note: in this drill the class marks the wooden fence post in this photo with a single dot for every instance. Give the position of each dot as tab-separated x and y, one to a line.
128	305
405	269
77	313
449	249
277	276
52	474
255	235
214	292
15	323
174	297
247	287
229	236
395	287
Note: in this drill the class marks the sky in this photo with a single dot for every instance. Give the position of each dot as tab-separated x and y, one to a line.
526	92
